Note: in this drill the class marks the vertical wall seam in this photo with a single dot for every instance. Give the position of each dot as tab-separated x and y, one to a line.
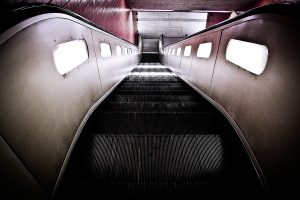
180	61
212	76
188	76
97	62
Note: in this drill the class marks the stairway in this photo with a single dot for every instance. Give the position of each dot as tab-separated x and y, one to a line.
155	137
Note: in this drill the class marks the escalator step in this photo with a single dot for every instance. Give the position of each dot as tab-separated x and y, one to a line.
155	107
151	70
155	92
153	123
152	88
159	158
174	84
153	98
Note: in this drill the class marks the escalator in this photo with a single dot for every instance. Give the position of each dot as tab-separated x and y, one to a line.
155	137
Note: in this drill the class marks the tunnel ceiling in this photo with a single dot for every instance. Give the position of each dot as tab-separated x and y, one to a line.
216	5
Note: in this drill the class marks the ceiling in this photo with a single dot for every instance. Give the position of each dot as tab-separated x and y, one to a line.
152	25
211	5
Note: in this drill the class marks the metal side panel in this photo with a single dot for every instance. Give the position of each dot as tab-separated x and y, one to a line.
15	177
266	107
40	108
202	68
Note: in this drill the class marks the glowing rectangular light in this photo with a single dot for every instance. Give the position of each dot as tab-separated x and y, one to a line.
105	50
187	51
146	66
152	74
118	50
169	51
249	56
178	53
69	55
204	50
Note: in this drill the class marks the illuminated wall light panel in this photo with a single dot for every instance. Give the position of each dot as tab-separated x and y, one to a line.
105	50
178	53
204	50
69	55
249	56
187	51
118	50
152	74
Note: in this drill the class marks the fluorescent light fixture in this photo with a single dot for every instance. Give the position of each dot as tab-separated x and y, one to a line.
125	50
152	67
105	50
178	53
249	56
187	51
118	50
69	55
152	74
204	50
173	51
